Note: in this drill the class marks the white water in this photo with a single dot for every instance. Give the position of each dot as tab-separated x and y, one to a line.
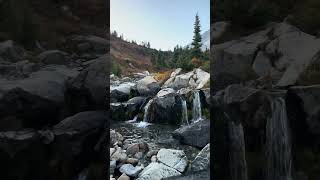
144	123
196	110
237	156
184	112
278	143
146	111
133	120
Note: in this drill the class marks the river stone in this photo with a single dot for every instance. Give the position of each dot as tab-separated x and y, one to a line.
133	149
124	177
196	134
157	171
119	155
115	137
151	153
130	170
113	165
173	158
202	160
132	161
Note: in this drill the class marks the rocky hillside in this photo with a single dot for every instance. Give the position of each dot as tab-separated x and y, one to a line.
131	57
265	103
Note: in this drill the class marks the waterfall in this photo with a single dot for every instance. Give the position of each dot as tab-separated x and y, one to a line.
145	123
278	143
146	111
133	120
184	112
237	156
196	110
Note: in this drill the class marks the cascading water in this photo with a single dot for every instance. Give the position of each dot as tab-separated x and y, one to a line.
145	123
196	110
184	112
278	143
237	156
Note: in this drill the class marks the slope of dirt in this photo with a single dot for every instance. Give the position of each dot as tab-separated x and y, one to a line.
131	57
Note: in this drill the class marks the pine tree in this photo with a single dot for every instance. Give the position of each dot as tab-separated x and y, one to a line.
196	44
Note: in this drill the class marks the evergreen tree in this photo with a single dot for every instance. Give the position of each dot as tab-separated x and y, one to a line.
196	44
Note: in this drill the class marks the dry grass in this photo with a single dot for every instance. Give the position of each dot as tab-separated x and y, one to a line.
162	77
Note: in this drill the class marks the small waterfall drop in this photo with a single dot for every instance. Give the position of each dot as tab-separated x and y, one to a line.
196	110
133	120
184	112
278	143
145	123
237	156
146	111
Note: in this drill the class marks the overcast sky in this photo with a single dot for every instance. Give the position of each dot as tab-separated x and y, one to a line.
164	23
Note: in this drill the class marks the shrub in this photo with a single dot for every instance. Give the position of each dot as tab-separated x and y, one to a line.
162	76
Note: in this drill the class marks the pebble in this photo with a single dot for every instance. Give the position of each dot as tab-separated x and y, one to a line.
154	158
130	170
124	177
132	161
139	155
151	153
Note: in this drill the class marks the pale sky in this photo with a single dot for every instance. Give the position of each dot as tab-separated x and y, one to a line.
164	23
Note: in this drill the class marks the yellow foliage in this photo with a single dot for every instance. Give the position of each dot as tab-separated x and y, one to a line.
196	62
162	76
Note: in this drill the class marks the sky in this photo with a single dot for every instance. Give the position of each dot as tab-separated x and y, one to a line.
163	23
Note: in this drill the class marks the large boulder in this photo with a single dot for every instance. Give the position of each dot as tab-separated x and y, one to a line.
309	98
157	171
96	44
88	90
54	57
35	101
202	160
219	29
172	77
173	158
166	109
10	52
148	86
182	80
21	69
121	92
196	134
202	78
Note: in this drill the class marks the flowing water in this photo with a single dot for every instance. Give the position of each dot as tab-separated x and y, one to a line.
184	120
278	143
196	110
237	161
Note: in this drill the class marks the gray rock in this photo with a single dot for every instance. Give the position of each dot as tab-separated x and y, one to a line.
202	160
218	30
309	97
130	170
147	86
121	92
10	52
113	165
54	57
88	89
119	155
173	158
157	171
115	137
37	99
196	134
99	45
166	109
